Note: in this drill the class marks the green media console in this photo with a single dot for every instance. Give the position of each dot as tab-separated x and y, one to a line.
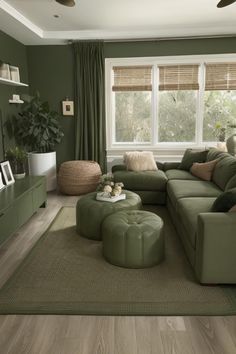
19	201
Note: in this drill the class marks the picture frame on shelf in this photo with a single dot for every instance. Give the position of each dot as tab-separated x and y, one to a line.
5	71
7	173
68	108
14	73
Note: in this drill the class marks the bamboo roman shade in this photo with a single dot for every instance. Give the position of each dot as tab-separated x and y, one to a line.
178	77
132	78
220	76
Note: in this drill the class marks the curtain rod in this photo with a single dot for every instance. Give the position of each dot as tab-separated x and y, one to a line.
158	39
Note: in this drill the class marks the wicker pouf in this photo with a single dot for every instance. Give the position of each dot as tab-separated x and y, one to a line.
78	177
133	239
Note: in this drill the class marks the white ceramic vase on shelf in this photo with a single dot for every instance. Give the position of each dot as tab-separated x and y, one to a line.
44	164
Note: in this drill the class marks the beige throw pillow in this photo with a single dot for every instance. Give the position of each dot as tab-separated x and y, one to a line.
203	170
233	209
140	161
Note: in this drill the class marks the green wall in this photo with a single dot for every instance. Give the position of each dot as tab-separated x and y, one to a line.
51	73
170	47
14	53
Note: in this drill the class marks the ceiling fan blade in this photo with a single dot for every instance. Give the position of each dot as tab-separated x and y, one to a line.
224	3
69	3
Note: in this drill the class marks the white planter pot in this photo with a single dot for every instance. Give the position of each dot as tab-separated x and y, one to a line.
44	164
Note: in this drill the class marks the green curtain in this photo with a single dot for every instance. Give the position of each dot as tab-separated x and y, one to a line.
90	132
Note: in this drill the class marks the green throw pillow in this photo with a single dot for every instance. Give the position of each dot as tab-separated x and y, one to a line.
225	201
190	157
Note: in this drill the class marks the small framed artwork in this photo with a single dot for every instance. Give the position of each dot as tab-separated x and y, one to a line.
14	73
7	172
68	108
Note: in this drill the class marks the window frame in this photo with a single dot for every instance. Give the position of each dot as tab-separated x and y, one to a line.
167	148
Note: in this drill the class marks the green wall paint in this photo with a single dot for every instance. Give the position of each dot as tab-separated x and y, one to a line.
51	73
170	47
14	53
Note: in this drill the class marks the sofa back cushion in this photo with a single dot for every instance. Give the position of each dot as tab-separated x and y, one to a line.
225	169
225	201
214	153
231	183
190	157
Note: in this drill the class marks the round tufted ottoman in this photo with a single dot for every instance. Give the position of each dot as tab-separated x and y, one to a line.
90	212
78	177
133	239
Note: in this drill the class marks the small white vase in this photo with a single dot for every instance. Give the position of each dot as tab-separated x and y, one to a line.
44	164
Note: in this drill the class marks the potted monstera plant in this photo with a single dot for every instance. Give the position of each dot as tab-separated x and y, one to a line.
37	128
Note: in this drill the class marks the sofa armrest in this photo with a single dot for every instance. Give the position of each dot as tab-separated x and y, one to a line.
216	248
118	168
170	166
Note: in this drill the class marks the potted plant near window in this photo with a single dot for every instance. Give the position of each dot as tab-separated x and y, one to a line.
17	158
37	128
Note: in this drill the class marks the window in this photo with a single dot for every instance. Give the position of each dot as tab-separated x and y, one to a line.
219	99
178	87
132	94
168	103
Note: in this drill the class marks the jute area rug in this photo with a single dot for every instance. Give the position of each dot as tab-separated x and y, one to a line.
67	274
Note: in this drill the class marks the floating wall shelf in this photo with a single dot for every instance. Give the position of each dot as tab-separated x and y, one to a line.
11	82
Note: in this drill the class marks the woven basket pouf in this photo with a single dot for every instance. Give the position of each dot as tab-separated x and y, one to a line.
78	177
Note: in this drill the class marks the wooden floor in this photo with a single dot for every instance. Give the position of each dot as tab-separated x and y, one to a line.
101	335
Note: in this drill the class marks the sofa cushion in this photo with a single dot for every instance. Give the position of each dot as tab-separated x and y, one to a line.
224	171
177	189
139	181
214	154
191	156
122	167
180	174
140	161
203	170
231	183
188	210
225	201
170	166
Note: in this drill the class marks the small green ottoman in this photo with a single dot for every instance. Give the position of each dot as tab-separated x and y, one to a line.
133	239
90	212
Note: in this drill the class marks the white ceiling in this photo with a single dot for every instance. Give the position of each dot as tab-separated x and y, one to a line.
32	21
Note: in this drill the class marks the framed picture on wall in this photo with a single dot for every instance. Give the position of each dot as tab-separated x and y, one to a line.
7	172
68	108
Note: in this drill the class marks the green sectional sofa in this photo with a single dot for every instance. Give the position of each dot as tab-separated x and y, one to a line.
209	238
